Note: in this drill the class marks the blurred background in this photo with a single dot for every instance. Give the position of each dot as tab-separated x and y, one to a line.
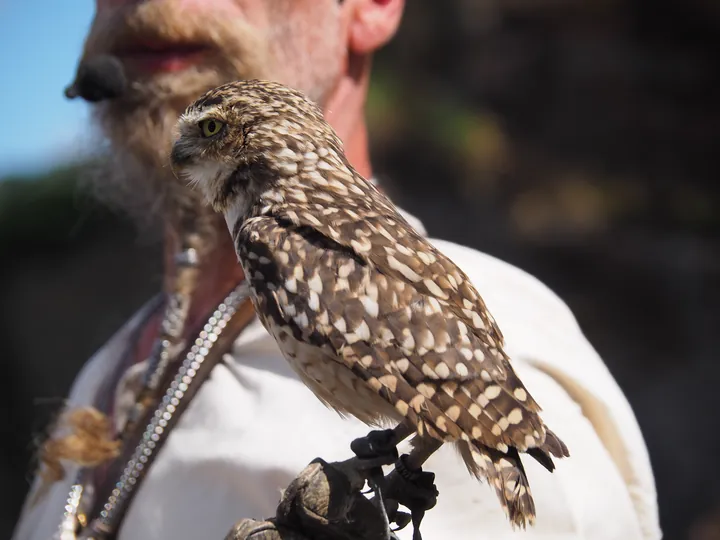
576	140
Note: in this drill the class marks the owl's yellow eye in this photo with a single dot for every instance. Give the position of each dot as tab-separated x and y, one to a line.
210	127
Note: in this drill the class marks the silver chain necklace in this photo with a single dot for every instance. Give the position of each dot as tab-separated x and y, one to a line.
154	432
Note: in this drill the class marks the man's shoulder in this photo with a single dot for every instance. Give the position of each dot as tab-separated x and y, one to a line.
540	330
538	327
504	286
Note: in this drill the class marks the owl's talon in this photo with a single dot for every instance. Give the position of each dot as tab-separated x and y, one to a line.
376	449
413	488
375	445
401	519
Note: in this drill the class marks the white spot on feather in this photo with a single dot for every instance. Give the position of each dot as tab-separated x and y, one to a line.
442	370
301	320
404	269
371	306
362	331
435	289
345	269
515	416
315	284
314	301
340	325
286	153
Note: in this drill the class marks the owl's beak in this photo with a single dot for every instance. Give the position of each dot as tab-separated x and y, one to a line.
180	156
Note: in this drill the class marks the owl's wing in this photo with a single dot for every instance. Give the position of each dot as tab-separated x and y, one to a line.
346	208
417	354
371	228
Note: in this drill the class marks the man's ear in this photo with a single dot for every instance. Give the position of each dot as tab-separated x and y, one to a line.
372	23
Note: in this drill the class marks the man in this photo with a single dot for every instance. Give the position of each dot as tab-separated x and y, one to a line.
253	425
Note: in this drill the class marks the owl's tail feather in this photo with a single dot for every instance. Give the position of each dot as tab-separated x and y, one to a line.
552	446
506	474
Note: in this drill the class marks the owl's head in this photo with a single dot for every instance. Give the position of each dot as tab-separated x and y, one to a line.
239	138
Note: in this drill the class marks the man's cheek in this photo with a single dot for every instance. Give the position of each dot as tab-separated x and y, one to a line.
256	13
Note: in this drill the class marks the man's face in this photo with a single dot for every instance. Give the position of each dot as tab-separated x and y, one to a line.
174	50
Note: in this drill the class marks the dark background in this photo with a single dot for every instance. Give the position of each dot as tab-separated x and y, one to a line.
576	140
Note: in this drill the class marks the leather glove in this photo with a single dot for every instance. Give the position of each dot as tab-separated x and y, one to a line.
324	502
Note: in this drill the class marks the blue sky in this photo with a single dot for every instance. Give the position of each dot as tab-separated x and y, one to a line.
40	41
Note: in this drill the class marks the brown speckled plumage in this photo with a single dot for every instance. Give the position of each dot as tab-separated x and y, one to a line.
376	321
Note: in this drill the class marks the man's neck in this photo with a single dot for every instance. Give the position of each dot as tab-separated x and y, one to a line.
220	270
345	111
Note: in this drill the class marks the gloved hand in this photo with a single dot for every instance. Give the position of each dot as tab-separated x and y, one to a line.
324	502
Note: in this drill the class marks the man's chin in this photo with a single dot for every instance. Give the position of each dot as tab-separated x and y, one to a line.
134	176
130	182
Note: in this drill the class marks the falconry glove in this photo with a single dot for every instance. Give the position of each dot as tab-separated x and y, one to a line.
324	502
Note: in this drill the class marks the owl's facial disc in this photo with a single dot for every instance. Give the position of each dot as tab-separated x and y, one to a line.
199	154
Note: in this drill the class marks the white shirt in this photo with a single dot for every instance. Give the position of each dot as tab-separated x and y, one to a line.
253	426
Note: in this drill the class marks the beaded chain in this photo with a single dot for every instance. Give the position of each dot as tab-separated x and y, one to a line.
155	430
167	343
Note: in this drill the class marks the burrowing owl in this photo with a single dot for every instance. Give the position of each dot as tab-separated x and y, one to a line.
375	320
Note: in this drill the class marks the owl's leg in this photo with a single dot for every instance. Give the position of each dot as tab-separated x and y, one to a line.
379	444
376	449
412	487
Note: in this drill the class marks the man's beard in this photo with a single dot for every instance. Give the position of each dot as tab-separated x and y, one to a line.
134	173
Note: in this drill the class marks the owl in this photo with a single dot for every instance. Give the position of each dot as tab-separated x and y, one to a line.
376	321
